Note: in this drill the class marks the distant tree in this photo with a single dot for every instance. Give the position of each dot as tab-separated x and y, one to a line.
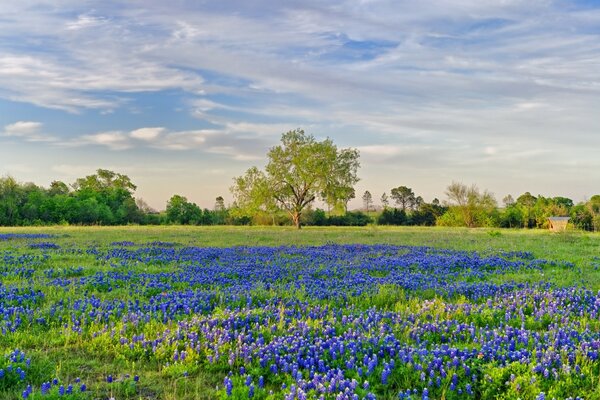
425	215
144	207
508	201
526	203
404	197
176	209
564	202
105	179
11	198
392	216
58	188
418	202
220	212
299	170
219	204
367	200
511	217
473	207
385	201
526	199
582	217
181	211
113	195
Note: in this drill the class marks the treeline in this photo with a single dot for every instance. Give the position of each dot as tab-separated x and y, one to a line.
106	198
470	207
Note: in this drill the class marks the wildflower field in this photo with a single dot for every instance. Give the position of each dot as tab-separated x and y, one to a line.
224	313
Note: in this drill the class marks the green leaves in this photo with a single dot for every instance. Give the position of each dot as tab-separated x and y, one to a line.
299	170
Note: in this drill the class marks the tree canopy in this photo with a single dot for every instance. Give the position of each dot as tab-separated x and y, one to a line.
298	170
404	197
469	204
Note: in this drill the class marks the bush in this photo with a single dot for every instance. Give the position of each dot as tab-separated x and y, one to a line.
392	216
319	218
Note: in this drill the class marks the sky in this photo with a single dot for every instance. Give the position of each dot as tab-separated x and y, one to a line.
184	95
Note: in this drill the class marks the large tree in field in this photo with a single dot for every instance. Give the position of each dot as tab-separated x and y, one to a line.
340	181
298	170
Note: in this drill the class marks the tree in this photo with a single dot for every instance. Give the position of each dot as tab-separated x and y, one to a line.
219	212
418	202
404	197
105	179
176	207
427	214
113	195
474	207
144	207
339	182
58	188
563	202
526	203
219	204
252	194
11	198
385	201
181	211
299	170
392	216
508	201
367	200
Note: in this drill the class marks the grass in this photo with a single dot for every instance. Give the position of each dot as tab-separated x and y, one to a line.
57	352
579	248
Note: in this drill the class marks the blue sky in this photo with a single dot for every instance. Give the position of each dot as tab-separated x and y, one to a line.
182	95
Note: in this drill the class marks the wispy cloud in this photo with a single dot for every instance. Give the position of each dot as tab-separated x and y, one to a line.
229	142
27	130
462	88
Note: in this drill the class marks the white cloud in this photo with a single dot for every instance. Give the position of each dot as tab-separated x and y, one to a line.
230	143
85	21
458	88
114	140
27	130
22	128
148	134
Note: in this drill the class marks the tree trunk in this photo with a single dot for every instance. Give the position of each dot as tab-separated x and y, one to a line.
296	219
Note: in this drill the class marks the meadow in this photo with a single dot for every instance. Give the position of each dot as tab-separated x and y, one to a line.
276	313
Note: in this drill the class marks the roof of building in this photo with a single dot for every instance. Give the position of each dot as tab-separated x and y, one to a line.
559	218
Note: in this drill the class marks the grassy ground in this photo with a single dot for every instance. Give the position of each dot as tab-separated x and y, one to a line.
68	355
580	248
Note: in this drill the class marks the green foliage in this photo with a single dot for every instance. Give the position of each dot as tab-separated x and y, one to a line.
474	208
298	170
404	197
392	216
105	198
318	217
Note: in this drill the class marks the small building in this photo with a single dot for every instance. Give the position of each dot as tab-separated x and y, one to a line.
558	224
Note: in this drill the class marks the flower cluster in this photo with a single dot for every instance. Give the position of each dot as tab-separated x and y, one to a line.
11	236
330	322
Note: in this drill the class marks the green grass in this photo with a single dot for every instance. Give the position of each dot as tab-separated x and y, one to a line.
69	355
579	248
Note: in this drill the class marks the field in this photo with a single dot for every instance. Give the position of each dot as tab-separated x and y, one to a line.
276	313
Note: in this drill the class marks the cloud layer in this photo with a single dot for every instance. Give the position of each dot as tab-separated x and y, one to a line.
429	91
